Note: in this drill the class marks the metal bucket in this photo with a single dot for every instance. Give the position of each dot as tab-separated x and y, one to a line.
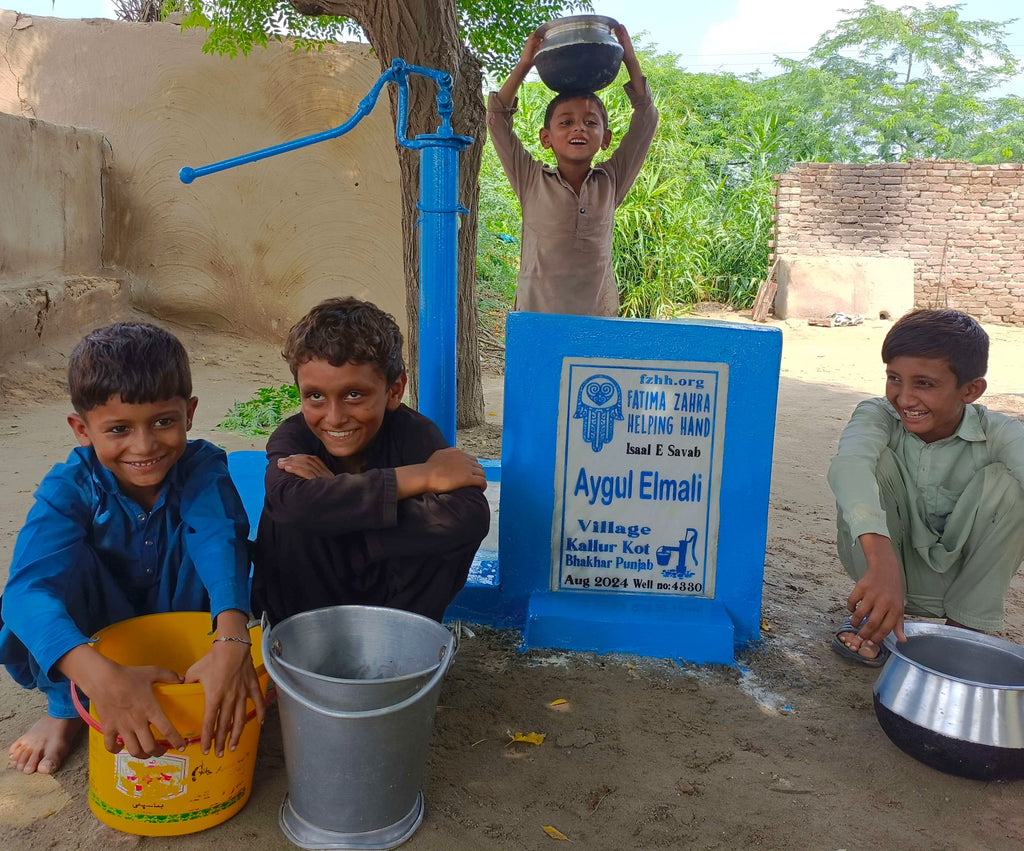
354	775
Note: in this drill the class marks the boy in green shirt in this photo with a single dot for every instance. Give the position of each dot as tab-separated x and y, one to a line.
929	490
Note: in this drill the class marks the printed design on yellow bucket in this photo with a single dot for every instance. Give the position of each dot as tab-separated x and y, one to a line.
153	779
99	805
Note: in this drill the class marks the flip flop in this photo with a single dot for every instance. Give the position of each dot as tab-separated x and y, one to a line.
853	655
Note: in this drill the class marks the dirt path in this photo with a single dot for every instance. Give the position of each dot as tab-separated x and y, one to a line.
782	751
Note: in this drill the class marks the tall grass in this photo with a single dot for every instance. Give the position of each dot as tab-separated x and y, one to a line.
696	224
497	257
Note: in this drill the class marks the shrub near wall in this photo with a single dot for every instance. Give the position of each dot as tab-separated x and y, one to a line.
961	224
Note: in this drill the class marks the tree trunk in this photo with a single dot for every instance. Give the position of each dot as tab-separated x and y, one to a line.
426	33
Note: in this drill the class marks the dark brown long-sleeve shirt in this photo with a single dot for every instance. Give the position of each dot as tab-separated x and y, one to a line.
350	540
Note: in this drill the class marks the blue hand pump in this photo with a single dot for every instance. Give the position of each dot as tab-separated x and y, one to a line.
438	223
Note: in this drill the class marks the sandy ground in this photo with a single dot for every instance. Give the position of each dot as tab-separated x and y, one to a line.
780	751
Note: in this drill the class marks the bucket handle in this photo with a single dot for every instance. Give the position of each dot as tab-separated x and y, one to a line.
442	669
92	722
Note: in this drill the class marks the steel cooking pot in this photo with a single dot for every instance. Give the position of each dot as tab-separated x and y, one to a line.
954	699
580	53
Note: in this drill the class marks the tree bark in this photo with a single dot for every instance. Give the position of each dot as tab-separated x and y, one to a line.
426	33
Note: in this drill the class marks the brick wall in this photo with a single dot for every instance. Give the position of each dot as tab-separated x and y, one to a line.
961	224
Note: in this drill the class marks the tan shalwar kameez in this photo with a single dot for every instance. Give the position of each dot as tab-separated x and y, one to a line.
566	263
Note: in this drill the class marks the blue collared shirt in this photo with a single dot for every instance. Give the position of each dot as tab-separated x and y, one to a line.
188	552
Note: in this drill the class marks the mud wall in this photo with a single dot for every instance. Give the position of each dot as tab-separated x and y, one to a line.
961	224
51	216
249	249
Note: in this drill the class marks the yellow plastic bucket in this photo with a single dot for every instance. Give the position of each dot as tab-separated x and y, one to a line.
181	791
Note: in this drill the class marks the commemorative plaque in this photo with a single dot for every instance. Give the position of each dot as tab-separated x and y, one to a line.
638	476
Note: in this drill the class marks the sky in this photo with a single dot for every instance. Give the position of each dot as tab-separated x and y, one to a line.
740	36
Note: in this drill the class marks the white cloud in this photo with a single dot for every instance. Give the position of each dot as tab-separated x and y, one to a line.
761	30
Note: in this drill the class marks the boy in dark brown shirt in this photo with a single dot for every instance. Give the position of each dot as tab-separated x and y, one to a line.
365	501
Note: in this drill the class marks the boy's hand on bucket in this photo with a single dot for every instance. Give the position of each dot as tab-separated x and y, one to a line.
124	701
531	48
132	712
229	680
877	600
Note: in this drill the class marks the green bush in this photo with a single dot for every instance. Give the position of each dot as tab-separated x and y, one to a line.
259	416
696	224
497	259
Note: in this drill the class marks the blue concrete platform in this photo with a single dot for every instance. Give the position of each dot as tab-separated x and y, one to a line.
248	468
668	627
597	412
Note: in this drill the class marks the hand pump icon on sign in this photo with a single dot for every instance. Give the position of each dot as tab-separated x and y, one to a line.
686	545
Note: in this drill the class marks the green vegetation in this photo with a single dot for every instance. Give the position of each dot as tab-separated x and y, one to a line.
494	30
884	86
263	413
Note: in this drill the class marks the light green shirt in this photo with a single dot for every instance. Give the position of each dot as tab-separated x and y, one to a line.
940	470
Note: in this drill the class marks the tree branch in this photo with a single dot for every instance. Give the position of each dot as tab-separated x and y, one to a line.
354	9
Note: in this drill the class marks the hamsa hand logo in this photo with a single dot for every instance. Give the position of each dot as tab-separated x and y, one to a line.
599	405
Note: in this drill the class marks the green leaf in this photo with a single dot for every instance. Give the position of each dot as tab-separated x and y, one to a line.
260	415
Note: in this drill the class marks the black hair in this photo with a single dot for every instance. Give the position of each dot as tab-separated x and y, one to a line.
340	330
947	335
136	361
562	97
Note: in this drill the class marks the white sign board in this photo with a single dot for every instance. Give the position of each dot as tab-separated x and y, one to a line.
637	476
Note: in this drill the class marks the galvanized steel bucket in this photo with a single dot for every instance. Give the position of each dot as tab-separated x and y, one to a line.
357	690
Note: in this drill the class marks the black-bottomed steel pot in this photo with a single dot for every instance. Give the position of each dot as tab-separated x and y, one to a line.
580	53
954	699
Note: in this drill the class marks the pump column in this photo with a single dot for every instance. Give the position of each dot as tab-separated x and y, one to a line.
438	223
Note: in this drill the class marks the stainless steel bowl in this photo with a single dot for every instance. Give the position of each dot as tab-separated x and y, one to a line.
580	53
954	699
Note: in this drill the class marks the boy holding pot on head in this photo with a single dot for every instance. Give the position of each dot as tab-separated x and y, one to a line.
139	520
569	209
366	503
929	489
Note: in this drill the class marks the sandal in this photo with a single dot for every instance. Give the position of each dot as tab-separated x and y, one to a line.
853	655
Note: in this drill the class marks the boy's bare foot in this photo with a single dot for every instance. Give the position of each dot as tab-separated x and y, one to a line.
44	745
860	646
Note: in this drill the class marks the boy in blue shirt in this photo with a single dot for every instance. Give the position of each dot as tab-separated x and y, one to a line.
138	520
929	488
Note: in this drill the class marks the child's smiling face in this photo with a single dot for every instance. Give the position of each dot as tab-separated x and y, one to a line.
926	395
576	131
344	406
138	442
